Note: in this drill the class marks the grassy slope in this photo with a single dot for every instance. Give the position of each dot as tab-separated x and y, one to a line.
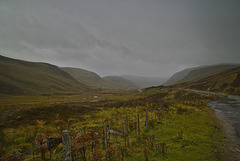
27	78
204	72
226	82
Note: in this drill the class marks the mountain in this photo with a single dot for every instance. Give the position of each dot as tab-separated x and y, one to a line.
144	81
207	71
96	82
20	77
197	73
85	77
178	76
226	82
119	82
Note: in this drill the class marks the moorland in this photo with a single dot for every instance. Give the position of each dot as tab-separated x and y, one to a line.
40	100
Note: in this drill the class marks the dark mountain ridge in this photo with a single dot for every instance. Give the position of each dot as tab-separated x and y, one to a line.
197	73
96	82
19	77
29	78
227	82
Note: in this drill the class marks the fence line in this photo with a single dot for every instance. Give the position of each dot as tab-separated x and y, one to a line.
132	122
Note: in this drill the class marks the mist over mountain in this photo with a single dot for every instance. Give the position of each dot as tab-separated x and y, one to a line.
145	81
120	82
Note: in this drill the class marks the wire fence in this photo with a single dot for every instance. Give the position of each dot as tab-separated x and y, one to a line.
112	136
91	143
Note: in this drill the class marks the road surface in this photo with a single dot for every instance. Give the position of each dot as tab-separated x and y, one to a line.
228	111
229	114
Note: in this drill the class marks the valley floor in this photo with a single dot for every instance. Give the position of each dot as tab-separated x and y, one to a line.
180	126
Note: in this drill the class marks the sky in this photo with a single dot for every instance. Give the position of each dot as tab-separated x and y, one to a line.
153	38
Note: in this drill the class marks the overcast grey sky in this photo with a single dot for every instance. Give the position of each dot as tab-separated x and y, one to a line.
114	37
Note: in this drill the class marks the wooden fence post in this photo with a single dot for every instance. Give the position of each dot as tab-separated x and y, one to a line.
124	135
155	114
109	135
147	119
127	131
138	124
151	114
105	138
66	146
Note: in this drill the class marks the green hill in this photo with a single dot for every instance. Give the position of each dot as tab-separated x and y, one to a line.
86	77
178	76
19	77
96	82
197	73
225	82
207	71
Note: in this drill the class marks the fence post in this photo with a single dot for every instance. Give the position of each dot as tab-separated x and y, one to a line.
124	135
66	146
109	135
151	114
138	124
147	119
105	137
155	114
127	131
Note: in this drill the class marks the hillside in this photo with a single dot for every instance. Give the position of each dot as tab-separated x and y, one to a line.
207	71
178	76
96	82
86	77
19	77
226	82
197	73
144	81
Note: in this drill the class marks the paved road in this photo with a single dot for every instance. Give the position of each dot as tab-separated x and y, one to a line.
229	113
